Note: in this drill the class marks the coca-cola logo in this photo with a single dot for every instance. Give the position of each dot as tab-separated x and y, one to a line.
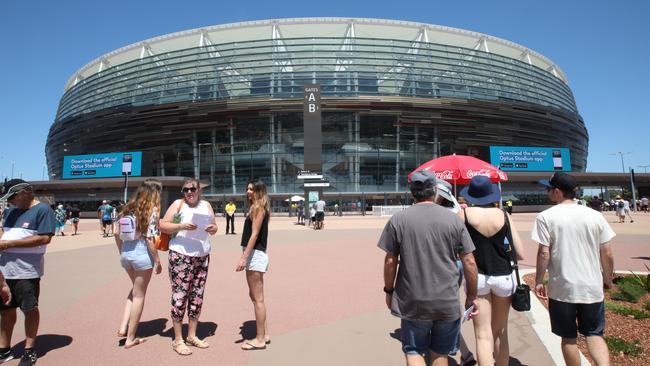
472	173
502	175
445	174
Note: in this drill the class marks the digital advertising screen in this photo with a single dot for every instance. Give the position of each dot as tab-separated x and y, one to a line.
107	165
532	159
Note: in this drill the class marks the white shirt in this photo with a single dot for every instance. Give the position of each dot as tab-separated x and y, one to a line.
574	234
189	246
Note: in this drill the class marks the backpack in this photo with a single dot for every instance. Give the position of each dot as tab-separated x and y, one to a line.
128	227
620	204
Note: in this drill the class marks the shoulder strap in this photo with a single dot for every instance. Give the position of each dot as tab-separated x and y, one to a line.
465	214
179	206
513	251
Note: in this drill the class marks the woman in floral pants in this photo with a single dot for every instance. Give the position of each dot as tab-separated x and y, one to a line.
189	259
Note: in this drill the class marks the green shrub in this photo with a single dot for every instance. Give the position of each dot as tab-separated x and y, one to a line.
625	311
633	279
647	305
629	291
617	345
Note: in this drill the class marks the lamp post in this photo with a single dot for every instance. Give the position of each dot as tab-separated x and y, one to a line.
645	168
621	154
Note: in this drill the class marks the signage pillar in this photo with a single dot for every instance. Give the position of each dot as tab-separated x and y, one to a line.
313	141
126	170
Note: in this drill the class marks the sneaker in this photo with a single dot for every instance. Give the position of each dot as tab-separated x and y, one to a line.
6	356
29	358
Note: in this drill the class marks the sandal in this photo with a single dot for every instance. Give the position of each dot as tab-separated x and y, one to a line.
248	346
196	342
136	341
181	348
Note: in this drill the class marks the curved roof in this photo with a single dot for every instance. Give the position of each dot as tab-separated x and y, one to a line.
316	27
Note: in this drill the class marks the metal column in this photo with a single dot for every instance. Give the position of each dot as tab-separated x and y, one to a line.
357	173
195	156
213	145
232	157
397	159
274	177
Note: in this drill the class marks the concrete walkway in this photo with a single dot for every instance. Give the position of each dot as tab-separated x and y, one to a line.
323	293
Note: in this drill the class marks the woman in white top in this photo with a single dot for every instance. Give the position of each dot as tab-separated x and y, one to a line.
137	226
189	257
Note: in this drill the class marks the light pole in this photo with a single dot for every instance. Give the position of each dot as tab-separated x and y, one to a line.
621	154
645	168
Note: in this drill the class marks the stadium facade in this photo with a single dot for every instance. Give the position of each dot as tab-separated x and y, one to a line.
225	103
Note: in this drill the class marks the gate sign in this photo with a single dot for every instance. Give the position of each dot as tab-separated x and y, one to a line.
102	165
532	159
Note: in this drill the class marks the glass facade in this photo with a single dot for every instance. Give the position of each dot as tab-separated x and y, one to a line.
361	153
278	69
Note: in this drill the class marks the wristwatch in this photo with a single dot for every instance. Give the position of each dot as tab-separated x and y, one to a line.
389	290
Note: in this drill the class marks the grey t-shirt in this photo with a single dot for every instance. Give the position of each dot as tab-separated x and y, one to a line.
26	263
426	238
319	206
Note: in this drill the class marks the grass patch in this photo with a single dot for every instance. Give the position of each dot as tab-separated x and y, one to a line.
629	291
625	311
617	345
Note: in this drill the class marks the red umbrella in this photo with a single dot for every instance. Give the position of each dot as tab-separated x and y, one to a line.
459	169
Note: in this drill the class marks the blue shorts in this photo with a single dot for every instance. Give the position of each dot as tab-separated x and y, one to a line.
420	337
135	255
590	317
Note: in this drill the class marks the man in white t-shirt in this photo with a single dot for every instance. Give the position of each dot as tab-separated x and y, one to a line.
573	245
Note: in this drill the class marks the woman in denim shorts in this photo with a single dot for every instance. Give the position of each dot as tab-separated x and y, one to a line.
138	225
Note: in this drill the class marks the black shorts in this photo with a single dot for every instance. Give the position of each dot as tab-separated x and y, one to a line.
24	294
107	222
590	317
320	216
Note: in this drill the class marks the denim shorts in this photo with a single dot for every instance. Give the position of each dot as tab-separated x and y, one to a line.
135	255
420	337
258	261
590	318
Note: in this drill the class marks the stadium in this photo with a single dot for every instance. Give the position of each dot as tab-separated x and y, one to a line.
225	103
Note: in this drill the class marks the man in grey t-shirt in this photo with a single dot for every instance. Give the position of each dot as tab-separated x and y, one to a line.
423	289
28	228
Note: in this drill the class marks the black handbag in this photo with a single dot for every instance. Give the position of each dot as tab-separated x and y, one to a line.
521	297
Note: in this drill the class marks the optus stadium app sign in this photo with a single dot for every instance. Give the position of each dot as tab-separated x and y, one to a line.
107	165
532	159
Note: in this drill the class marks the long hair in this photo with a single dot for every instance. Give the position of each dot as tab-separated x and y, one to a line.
260	199
142	204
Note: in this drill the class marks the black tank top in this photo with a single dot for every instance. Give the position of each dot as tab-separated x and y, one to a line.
491	256
260	243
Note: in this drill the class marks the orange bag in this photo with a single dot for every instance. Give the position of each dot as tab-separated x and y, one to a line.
161	241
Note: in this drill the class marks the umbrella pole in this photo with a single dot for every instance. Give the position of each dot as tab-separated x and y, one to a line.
500	195
455	195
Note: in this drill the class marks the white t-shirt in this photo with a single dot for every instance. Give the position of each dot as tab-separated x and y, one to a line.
188	246
574	234
644	201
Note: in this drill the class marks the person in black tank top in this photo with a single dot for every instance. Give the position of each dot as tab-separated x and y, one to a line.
495	280
255	260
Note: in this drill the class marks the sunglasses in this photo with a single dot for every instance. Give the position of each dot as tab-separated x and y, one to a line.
189	189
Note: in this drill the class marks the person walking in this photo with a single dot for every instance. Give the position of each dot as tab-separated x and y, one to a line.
494	237
75	214
137	226
60	217
27	230
105	215
189	258
255	260
573	246
421	276
320	214
230	217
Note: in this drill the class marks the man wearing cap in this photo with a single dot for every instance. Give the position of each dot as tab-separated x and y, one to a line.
573	246
105	215
28	228
420	273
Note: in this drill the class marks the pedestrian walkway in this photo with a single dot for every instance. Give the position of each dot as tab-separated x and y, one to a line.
323	292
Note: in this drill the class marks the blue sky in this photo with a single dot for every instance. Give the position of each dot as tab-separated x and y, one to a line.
602	46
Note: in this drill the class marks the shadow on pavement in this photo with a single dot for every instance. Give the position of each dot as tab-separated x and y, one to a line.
203	330
644	258
45	343
152	327
248	330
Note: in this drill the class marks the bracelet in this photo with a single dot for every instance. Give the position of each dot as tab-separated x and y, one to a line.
389	291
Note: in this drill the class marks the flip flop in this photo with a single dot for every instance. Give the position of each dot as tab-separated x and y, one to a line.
181	348
247	346
136	341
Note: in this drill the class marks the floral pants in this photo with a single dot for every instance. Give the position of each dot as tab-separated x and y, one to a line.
187	276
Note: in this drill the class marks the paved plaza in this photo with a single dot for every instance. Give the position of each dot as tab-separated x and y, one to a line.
323	293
